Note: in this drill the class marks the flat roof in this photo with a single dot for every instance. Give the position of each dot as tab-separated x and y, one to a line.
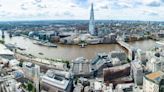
155	75
81	68
97	85
5	51
55	79
117	68
57	83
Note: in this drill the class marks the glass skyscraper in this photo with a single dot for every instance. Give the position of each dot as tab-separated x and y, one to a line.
92	22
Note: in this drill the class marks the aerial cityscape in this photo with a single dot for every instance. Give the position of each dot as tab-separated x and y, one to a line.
82	46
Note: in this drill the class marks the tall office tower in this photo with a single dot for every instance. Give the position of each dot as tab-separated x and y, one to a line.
92	22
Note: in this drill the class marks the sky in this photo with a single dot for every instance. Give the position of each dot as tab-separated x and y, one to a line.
147	10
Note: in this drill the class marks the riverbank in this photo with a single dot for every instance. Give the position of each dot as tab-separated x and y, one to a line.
45	64
71	52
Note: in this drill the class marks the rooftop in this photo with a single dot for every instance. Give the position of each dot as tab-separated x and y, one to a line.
136	65
125	87
117	68
59	73
56	78
5	51
98	57
155	76
29	64
81	66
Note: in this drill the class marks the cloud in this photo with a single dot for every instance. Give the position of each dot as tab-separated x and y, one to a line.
121	5
81	3
42	14
154	4
104	7
4	13
79	9
67	13
41	6
23	7
137	4
73	5
153	14
38	1
150	12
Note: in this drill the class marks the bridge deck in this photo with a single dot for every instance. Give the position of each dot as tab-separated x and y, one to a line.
128	47
125	45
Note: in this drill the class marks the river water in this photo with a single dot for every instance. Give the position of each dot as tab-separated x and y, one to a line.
71	52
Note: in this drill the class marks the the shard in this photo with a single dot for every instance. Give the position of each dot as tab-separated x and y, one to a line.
92	22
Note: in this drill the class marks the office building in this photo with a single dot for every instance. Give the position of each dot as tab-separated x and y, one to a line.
57	81
153	82
155	64
116	72
81	67
99	62
126	87
6	53
32	72
137	72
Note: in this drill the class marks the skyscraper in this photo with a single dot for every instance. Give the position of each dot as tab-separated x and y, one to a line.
3	34
92	22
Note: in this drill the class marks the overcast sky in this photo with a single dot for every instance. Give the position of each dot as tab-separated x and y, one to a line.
79	9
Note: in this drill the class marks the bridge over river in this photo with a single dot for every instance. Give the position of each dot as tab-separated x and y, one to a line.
129	48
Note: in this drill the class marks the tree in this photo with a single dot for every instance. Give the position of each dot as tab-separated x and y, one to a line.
2	41
68	65
20	64
29	86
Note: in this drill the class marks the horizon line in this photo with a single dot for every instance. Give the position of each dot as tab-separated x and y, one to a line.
25	20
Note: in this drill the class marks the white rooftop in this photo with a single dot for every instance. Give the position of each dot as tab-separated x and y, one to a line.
5	51
60	81
97	85
60	84
14	62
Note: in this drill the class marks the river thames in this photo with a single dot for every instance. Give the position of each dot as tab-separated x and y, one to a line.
71	52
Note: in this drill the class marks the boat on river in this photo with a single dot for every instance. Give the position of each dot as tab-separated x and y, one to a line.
82	45
40	53
47	44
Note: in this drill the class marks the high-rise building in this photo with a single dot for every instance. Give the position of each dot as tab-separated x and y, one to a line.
137	72
92	22
32	72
